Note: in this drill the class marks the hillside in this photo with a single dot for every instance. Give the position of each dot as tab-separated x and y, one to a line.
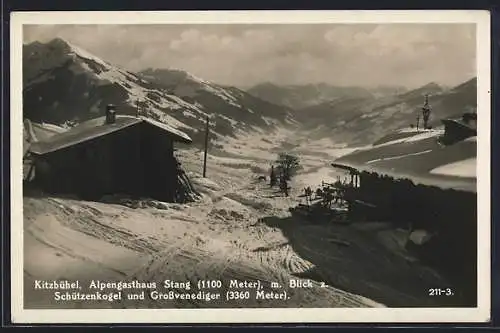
65	83
302	96
360	121
308	95
231	105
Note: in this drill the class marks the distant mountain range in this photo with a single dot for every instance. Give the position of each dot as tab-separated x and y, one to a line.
302	96
364	120
63	83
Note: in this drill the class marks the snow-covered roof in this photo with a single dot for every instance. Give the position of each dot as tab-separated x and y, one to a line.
420	158
94	128
183	137
441	180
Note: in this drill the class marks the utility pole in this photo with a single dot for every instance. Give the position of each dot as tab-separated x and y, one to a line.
206	148
426	112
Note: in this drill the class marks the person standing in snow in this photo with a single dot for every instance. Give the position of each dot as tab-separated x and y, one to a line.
284	186
272	177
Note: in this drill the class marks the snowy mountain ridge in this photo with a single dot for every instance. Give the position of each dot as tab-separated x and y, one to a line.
64	82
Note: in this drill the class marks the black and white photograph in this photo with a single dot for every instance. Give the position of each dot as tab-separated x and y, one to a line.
250	162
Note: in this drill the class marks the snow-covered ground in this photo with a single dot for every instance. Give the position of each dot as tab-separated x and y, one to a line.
414	136
398	156
240	229
465	168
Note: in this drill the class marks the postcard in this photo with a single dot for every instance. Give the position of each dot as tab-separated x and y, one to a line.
250	167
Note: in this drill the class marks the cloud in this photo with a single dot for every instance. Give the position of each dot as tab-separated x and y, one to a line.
243	55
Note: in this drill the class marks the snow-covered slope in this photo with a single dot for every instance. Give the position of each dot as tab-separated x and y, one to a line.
230	106
360	121
64	83
302	96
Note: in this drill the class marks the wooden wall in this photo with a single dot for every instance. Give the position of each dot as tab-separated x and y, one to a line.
137	161
450	213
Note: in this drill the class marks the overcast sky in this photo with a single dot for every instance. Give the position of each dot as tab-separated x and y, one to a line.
244	55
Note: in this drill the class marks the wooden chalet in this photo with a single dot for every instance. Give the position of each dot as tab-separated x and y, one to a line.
114	154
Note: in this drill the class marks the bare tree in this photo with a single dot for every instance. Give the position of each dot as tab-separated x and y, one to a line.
288	165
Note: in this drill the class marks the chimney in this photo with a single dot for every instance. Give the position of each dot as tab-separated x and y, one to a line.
110	114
